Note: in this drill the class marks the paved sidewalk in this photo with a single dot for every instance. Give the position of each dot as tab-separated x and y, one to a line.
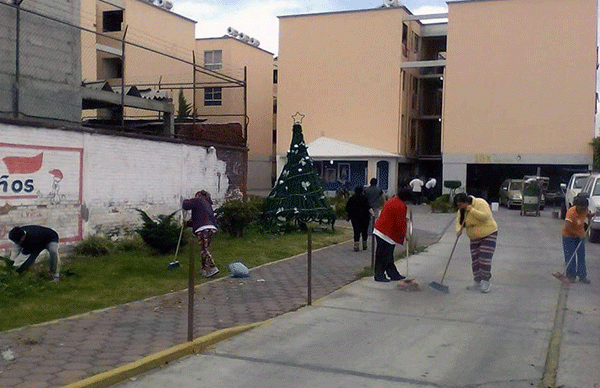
62	352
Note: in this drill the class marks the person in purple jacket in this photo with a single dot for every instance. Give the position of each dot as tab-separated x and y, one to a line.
204	226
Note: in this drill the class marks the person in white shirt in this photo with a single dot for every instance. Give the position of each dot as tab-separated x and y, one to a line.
429	186
416	186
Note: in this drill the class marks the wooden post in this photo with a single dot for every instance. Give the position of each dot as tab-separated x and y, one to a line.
191	292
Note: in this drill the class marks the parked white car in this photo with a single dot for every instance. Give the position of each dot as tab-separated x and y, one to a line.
591	190
571	189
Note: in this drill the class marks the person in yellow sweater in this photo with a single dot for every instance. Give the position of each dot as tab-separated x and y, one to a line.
475	216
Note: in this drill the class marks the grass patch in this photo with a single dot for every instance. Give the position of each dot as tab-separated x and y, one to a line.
91	283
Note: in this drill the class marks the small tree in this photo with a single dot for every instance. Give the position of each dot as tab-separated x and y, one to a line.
184	109
161	234
452	185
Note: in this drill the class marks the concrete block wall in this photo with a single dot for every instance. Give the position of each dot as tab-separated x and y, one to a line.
49	60
87	183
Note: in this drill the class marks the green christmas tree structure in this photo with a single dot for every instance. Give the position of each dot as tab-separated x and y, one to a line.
298	195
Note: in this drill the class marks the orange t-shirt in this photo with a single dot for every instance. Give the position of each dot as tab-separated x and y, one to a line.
577	221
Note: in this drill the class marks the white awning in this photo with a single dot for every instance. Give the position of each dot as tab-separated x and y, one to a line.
327	148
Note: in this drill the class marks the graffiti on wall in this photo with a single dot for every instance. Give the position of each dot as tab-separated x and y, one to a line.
41	185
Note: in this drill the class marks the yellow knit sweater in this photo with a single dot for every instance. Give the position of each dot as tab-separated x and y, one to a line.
479	221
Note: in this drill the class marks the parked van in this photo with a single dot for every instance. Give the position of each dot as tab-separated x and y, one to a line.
571	189
591	190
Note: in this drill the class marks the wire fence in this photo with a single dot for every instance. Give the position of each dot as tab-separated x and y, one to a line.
63	63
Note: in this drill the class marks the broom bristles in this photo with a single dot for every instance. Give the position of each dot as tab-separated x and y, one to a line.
439	287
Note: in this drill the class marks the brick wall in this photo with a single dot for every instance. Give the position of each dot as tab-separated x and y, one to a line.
85	182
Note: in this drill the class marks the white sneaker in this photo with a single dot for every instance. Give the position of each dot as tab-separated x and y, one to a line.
485	286
476	286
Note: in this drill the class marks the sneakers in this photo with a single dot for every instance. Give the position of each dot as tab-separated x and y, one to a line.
397	278
365	246
356	246
476	286
210	272
485	286
584	281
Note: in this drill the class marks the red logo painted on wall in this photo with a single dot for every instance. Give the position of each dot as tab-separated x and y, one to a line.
23	164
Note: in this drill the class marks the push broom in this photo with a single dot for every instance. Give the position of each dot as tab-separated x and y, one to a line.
440	286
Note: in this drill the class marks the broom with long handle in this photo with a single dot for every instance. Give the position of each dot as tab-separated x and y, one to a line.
440	286
562	275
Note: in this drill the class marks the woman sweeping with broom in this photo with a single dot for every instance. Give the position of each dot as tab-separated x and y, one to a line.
475	215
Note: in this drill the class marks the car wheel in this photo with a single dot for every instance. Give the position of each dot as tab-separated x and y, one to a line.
594	235
563	211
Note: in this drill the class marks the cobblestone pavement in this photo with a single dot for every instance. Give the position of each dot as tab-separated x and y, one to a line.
65	351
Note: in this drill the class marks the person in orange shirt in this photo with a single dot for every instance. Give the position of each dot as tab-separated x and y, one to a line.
573	234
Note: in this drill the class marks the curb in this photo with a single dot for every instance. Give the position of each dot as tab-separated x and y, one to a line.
119	374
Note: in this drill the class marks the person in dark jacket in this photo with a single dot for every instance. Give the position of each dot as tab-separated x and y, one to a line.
359	213
30	241
204	226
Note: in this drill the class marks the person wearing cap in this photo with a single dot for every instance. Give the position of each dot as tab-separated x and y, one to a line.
30	241
204	226
573	234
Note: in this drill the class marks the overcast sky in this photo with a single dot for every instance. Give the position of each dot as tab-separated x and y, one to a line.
258	18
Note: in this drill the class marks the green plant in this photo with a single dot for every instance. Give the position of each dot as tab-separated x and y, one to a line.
442	204
184	109
452	185
235	215
339	203
595	144
93	246
131	243
13	285
161	234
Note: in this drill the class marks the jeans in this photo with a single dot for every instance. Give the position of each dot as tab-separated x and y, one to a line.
23	260
573	249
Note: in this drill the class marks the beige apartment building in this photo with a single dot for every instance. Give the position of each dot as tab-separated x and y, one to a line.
152	56
233	79
495	92
221	103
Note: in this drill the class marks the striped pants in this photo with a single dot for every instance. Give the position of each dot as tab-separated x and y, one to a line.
481	257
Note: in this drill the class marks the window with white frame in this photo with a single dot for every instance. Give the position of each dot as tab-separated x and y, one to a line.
212	96
213	60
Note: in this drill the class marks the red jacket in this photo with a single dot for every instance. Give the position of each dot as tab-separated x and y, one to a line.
392	219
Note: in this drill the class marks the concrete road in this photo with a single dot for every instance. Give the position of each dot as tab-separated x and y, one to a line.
528	329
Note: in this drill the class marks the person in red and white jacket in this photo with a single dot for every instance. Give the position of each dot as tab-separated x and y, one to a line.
389	230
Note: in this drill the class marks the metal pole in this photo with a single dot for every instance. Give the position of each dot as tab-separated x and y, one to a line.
194	92
190	336
16	107
123	78
309	267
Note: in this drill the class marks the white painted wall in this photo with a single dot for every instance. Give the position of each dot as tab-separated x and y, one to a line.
105	178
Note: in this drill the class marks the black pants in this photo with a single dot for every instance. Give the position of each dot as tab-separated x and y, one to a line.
384	260
361	228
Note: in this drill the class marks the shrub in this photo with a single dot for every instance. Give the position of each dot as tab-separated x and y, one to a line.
93	246
442	204
13	285
235	215
339	203
160	234
131	243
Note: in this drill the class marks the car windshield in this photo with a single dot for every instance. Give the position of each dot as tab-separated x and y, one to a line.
579	182
596	187
516	186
